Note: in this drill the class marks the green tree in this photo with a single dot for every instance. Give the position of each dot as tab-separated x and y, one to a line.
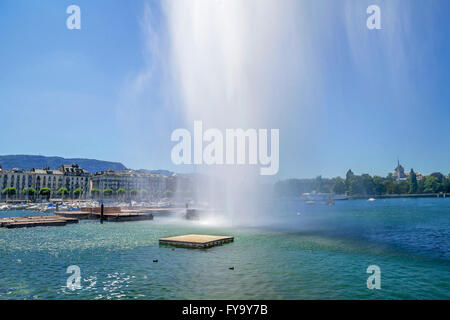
368	184
446	184
349	176
439	176
62	192
143	193
431	185
318	184
95	193
413	186
45	192
421	185
390	186
77	193
10	191
379	186
339	186
133	193
357	186
440	179
121	194
29	191
108	192
403	187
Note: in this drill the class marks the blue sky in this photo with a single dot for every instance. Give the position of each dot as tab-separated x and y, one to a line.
102	92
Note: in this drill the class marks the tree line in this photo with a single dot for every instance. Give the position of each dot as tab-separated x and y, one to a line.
365	185
120	194
43	192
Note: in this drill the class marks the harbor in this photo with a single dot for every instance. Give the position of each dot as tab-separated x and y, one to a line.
73	212
62	218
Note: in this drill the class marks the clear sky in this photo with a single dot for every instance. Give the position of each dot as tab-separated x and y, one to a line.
106	91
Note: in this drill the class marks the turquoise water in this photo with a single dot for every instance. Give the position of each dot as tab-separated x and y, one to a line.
311	252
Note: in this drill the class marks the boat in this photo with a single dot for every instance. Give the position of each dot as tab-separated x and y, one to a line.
371	199
4	207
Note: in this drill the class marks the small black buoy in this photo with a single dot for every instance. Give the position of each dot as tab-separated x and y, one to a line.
172	249
155	260
231	268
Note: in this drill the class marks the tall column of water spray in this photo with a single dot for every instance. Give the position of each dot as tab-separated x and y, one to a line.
233	64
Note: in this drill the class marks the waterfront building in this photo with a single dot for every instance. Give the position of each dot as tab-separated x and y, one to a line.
45	178
34	178
70	177
74	178
155	185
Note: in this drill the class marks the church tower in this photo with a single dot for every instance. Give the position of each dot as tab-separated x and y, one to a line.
399	171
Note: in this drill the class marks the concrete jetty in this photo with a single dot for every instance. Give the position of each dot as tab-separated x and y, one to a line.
196	241
35	221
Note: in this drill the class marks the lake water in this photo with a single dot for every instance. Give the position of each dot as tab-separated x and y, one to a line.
306	252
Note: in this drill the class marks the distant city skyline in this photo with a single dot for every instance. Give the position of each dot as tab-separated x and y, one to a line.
343	96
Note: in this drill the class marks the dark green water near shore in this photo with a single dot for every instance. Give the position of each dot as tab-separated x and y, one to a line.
303	252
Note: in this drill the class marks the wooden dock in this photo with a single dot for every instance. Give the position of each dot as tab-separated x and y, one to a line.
156	212
113	214
124	216
35	221
196	241
62	218
72	214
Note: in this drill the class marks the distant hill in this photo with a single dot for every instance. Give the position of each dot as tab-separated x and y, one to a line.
28	161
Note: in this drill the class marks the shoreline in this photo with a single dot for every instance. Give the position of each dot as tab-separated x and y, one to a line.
395	196
359	197
384	196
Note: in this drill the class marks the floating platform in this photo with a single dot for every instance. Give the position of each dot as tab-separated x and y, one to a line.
35	221
72	214
156	212
121	217
196	241
114	214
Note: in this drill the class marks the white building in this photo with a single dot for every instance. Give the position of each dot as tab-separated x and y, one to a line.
70	177
155	185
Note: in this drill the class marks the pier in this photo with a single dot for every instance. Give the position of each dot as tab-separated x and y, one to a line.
112	214
196	241
62	218
35	221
